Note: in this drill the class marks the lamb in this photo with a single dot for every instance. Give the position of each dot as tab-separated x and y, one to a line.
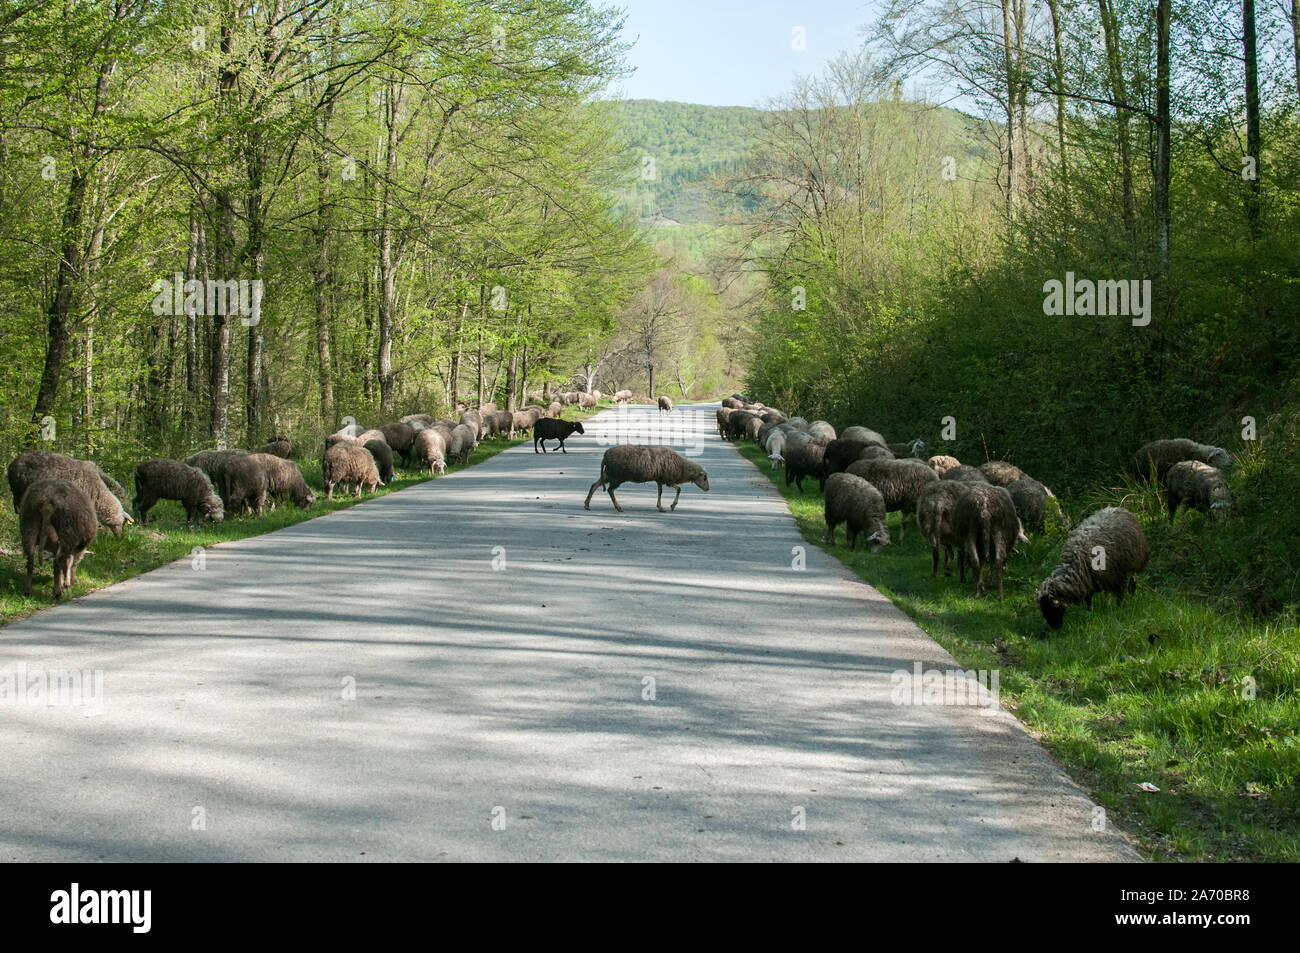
462	443
941	464
1197	486
1034	503
1102	555
899	481
633	463
935	509
399	436
430	451
172	480
560	430
284	480
964	474
865	434
820	428
33	465
908	450
383	455
1001	473
805	458
347	464
986	525
665	405
1160	455
243	482
857	504
56	516
279	447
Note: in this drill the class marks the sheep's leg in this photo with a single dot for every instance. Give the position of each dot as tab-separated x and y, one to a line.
562	450
947	560
610	490
587	504
902	526
677	497
961	564
1132	585
28	590
659	500
830	534
329	490
535	439
58	576
934	562
998	570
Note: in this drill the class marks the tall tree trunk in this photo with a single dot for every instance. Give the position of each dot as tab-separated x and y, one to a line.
1013	154
1119	94
1295	41
1253	143
190	410
1162	133
1058	68
59	311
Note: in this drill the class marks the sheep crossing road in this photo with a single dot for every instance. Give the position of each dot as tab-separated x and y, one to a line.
478	669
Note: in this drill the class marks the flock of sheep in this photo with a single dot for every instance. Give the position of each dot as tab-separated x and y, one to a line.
981	512
61	501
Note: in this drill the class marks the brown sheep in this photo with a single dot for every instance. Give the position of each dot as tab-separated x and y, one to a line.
632	463
348	464
33	465
172	480
56	516
284	480
985	522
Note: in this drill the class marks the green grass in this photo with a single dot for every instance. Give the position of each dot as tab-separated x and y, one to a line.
167	537
1152	690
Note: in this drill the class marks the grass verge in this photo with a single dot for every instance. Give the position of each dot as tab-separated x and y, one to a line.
1164	689
168	538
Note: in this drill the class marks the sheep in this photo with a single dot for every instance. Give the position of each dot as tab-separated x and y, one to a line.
873	451
908	450
857	504
374	433
284	480
243	483
588	400
622	396
1197	486
1160	455
798	423
840	453
731	403
865	434
820	428
489	408
474	420
212	462
775	447
941	464
1034	503
526	418
399	436
1103	554
501	422
935	510
430	450
172	480
461	444
337	438
986	525
1001	473
419	421
738	423
633	463
346	464
805	458
665	405
770	416
383	455
964	474
56	516
279	447
899	481
555	409
560	430
32	465
722	414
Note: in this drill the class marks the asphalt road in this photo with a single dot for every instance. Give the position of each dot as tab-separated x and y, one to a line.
478	669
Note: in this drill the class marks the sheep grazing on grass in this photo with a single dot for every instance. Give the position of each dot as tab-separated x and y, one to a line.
988	529
278	447
399	436
588	400
1160	455
741	423
1001	473
665	404
775	447
461	444
765	430
560	430
941	464
56	516
1102	555
500	422
723	413
805	458
936	510
840	453
622	396
430	451
244	483
964	474
172	480
865	434
555	409
633	463
899	481
1197	486
525	419
820	428
857	504
474	420
284	480
1035	504
346	465
33	465
383	455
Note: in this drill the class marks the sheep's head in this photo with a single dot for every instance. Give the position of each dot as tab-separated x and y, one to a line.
701	479
577	428
1220	502
918	447
879	539
305	500
1052	607
1220	458
440	466
776	458
1020	532
211	509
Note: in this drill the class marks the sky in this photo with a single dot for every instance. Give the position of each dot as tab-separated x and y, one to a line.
732	52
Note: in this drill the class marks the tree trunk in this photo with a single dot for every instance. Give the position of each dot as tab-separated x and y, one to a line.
190	411
59	311
1119	94
1162	133
1252	114
1058	67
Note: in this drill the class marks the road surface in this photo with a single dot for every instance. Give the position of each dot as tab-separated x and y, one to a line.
478	669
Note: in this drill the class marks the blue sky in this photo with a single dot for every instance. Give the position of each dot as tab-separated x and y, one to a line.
731	52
